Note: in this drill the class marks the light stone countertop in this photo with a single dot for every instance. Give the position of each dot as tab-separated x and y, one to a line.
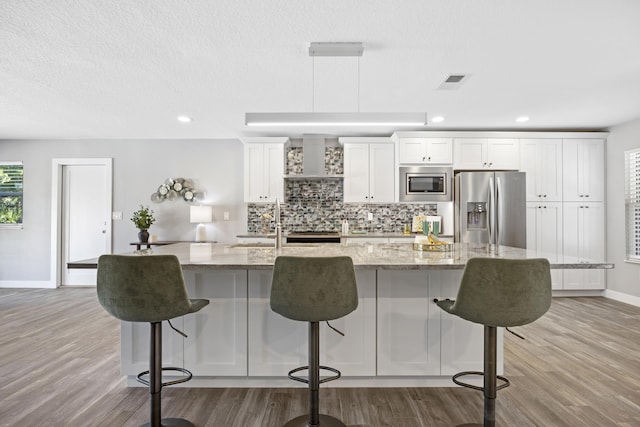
385	256
349	235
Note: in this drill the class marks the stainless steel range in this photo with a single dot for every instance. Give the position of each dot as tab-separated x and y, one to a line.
313	237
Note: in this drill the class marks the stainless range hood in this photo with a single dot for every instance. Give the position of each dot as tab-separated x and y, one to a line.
313	159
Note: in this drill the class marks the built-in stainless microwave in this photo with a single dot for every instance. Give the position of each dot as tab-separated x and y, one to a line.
425	184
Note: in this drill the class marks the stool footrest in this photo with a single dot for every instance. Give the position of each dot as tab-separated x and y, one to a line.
169	368
306	381
505	380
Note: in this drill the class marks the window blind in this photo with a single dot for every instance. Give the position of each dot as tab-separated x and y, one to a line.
632	204
11	197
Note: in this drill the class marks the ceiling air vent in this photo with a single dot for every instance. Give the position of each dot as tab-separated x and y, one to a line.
453	81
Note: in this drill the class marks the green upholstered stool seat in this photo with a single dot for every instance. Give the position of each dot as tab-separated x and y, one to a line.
499	293
314	289
148	289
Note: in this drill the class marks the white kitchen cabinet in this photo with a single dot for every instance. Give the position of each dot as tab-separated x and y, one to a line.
425	151
462	341
264	169
583	228
486	153
369	172
583	170
541	159
408	323
221	325
134	348
278	344
544	234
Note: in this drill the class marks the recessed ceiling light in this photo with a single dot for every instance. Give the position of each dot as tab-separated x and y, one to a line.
184	119
522	119
437	119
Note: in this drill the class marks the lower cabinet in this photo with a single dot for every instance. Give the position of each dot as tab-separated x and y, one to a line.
217	334
416	337
277	344
584	239
408	324
216	343
396	331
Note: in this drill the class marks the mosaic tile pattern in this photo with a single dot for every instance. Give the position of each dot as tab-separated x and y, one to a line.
333	161
316	205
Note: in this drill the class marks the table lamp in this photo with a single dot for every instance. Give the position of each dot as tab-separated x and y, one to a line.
199	215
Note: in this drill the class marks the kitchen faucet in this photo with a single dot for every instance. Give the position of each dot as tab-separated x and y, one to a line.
278	244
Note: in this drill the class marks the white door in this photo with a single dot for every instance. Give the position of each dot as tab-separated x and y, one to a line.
84	220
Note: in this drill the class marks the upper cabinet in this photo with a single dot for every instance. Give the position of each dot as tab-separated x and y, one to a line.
264	169
583	170
425	151
541	159
369	170
486	153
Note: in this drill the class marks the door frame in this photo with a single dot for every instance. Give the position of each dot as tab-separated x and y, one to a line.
57	166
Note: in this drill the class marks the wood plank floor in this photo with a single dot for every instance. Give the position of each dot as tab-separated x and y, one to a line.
59	366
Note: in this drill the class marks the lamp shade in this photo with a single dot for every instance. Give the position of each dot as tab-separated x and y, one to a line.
200	214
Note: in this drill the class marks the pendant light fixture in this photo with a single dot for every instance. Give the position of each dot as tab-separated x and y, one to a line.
336	118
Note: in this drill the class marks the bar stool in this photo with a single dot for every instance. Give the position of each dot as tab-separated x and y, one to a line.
499	293
148	289
314	289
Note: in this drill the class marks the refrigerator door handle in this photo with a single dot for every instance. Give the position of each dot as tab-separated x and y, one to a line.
490	212
498	210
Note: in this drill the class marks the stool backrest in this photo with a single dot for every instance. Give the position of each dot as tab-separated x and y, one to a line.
504	292
313	289
146	288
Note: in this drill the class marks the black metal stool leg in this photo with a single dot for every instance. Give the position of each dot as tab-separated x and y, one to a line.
490	378
155	382
314	419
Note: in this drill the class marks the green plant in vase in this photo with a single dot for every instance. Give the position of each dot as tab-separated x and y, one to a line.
143	218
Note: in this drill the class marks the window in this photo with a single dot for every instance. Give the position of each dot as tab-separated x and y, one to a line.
632	204
11	194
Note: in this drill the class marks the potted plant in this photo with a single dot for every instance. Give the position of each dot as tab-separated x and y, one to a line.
143	218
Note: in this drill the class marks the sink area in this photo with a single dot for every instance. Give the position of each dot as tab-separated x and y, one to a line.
271	245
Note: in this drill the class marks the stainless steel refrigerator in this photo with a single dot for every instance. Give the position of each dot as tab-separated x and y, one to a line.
490	207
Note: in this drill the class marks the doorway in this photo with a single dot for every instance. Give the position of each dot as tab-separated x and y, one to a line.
82	216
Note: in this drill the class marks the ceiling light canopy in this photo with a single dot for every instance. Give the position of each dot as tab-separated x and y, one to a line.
336	119
336	49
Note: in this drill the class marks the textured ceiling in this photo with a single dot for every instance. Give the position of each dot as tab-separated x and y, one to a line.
106	69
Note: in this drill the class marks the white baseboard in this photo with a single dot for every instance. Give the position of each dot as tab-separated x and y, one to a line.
619	296
31	284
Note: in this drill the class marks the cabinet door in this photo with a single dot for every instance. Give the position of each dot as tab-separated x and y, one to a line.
583	170
356	173
462	341
353	354
254	189
529	164
273	172
503	154
275	344
544	234
439	150
134	350
382	173
469	153
583	239
408	324
217	334
411	151
541	159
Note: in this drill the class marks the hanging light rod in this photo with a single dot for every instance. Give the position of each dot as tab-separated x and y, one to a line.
336	49
335	119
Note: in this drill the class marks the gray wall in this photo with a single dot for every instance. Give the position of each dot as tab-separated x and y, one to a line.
139	167
625	277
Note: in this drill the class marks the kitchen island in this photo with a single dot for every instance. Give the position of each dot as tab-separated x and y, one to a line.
396	337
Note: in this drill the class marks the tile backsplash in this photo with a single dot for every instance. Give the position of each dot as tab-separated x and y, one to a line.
316	204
